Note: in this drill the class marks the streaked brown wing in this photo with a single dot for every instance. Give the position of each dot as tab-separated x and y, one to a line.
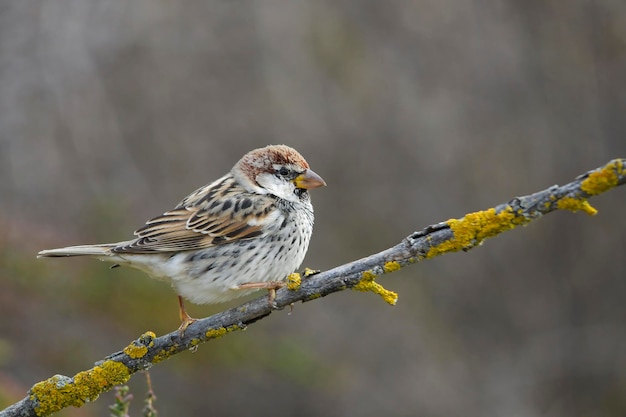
216	214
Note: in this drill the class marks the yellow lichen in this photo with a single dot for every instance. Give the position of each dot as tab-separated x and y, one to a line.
313	296
59	392
474	228
603	179
576	204
391	266
139	348
310	272
165	353
149	337
294	281
136	351
368	283
221	331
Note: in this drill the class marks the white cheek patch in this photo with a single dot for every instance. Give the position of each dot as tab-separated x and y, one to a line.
279	187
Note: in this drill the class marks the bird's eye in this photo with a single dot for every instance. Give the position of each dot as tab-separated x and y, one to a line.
283	171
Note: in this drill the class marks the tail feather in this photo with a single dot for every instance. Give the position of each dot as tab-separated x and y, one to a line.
82	250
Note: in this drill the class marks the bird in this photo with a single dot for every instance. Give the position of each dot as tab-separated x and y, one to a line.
245	231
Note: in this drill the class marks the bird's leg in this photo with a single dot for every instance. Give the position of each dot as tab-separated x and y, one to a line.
271	286
185	318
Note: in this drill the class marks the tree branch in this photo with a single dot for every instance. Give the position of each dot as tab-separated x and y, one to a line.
59	391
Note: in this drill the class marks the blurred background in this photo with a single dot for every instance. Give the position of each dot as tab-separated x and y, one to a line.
413	112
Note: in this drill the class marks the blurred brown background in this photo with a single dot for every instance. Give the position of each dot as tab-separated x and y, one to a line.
413	112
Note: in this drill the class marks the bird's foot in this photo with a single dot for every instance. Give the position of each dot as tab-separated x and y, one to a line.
185	319
270	286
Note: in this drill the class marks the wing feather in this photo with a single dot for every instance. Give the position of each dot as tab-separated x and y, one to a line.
216	214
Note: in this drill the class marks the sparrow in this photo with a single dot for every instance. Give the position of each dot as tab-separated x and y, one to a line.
247	230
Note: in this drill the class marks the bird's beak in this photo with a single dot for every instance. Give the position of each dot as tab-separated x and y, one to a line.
309	179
